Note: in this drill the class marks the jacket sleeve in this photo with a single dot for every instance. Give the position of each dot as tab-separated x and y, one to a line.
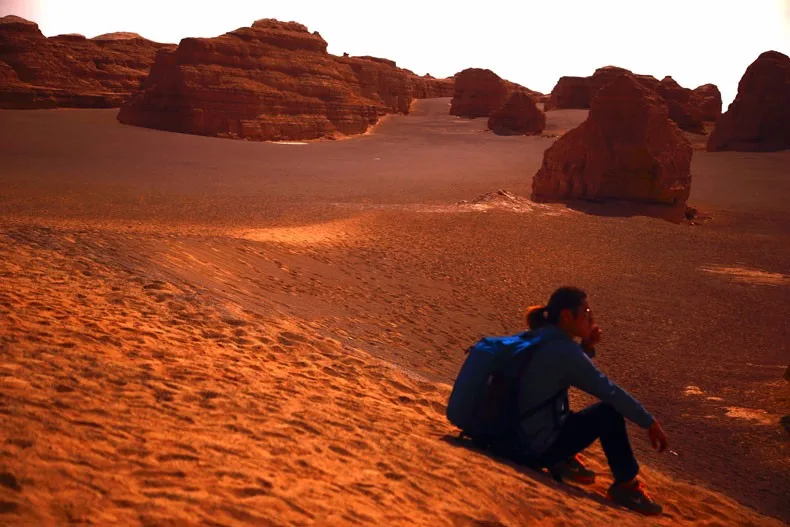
583	374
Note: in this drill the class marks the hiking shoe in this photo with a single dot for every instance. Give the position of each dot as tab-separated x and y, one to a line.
574	470
633	495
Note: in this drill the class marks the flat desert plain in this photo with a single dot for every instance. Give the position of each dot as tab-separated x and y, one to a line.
201	331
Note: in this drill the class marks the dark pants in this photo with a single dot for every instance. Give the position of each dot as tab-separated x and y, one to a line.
579	431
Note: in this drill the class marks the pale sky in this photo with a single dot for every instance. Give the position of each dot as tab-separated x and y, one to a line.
529	42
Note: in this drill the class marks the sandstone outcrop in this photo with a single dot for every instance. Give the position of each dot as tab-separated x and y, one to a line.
69	70
518	116
690	109
481	92
682	107
272	81
119	35
428	87
758	120
707	98
578	92
569	93
627	149
603	76
478	93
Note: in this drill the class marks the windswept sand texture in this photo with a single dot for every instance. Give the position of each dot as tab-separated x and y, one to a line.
199	331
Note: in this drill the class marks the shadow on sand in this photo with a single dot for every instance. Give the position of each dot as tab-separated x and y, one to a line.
627	209
536	475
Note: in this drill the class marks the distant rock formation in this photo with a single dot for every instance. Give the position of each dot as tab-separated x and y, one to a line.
478	92
758	120
603	76
428	87
690	109
707	98
69	70
120	35
578	92
681	105
68	37
569	93
627	149
272	81
518	116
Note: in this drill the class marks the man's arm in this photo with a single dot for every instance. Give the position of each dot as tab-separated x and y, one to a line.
583	374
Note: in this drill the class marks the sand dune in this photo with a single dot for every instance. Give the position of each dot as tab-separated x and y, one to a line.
135	400
200	331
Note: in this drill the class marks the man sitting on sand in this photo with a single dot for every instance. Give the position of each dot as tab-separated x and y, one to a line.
553	436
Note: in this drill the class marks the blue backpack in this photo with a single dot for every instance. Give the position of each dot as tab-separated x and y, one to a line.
484	400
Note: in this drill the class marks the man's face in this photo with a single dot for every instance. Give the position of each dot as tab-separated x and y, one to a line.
581	324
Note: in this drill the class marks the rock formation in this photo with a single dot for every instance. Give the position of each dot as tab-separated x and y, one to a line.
681	105
478	93
603	76
481	93
272	81
758	120
688	108
518	116
627	149
707	98
578	92
569	93
119	35
428	87
69	70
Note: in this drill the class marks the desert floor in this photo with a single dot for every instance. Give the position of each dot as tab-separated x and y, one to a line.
200	331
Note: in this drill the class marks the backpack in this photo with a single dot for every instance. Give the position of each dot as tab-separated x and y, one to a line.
484	399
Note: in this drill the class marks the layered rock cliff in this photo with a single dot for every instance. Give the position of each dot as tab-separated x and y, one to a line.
272	81
70	70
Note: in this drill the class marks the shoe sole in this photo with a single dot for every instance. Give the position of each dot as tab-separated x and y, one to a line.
580	480
642	512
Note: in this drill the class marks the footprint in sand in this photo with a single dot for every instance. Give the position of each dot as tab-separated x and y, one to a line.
233	475
176	457
21	443
340	450
8	480
251	492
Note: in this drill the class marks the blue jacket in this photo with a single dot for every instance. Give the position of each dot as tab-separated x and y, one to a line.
557	364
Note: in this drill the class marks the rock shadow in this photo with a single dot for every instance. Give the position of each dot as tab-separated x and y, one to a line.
627	209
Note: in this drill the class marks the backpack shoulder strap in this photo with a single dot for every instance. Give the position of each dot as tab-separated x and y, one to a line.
531	343
522	370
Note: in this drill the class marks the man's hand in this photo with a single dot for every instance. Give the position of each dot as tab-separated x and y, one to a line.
595	335
588	344
658	438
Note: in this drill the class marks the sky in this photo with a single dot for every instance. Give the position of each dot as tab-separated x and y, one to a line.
532	43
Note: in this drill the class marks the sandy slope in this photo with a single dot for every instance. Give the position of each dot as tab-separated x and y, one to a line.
132	400
199	331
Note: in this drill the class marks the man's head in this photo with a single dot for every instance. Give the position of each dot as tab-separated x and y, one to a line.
568	310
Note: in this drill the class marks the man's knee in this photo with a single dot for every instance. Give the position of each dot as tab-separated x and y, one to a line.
610	414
